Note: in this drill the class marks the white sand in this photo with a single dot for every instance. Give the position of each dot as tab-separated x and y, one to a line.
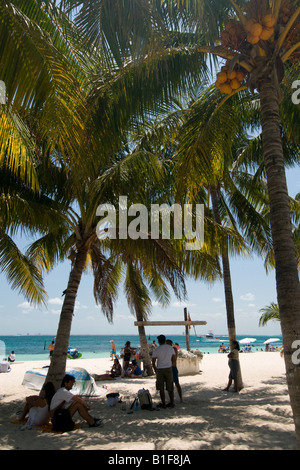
258	418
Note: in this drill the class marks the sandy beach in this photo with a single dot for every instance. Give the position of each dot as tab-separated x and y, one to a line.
257	418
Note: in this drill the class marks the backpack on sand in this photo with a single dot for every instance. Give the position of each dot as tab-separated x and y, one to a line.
145	399
62	421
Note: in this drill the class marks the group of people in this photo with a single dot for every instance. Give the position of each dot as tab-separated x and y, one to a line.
39	409
164	363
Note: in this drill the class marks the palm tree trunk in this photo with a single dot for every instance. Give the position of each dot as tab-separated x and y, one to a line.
287	281
145	349
227	282
57	367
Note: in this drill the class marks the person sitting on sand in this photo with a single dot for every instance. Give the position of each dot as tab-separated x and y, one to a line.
134	370
37	407
65	399
11	357
115	371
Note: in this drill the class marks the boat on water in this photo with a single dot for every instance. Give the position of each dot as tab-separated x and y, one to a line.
73	354
209	335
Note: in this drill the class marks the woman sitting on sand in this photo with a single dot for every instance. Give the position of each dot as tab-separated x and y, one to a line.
134	370
37	407
115	371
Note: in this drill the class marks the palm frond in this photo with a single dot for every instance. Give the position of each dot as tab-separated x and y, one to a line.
20	271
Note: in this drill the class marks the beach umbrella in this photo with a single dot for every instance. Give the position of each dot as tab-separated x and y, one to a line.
247	340
271	340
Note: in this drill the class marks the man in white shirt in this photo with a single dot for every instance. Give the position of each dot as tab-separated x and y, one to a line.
163	358
64	398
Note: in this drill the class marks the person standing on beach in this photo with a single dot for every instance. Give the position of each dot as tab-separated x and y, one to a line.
234	365
51	347
175	371
126	355
113	350
163	358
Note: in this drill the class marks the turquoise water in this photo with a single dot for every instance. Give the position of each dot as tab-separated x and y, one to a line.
31	348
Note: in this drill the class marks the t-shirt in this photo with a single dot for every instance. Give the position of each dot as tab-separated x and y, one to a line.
137	371
235	354
164	354
61	395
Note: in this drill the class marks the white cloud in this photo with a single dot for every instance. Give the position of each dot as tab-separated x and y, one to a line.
55	301
182	304
248	296
26	307
217	299
125	317
55	312
78	306
155	303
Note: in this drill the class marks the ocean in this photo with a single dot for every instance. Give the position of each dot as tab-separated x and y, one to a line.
31	348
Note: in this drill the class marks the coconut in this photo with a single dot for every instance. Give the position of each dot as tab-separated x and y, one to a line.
267	33
240	75
252	39
256	29
249	25
235	84
231	75
226	88
222	77
269	21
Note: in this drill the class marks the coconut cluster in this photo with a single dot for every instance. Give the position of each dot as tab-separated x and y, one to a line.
260	31
229	80
259	27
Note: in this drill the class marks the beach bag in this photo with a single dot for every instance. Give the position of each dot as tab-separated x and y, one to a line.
112	399
145	399
62	421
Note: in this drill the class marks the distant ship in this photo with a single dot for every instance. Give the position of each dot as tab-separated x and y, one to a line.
209	335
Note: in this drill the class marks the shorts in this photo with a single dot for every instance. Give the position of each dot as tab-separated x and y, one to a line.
113	351
175	374
164	376
234	368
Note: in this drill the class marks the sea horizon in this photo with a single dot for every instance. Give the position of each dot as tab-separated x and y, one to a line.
35	347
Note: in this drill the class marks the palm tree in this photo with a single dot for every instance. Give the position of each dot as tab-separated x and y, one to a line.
260	43
263	60
38	85
271	312
205	159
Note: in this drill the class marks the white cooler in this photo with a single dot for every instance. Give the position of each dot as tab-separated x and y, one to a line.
4	366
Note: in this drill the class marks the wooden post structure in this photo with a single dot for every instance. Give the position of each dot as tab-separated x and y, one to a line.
187	333
185	323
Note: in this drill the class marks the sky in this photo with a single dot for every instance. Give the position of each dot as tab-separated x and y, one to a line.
252	290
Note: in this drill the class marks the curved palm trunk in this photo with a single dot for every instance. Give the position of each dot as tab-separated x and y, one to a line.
287	281
144	348
57	367
227	283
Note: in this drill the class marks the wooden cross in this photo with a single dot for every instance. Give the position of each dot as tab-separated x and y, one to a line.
185	323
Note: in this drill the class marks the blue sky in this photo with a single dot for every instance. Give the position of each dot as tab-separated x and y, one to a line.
252	290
